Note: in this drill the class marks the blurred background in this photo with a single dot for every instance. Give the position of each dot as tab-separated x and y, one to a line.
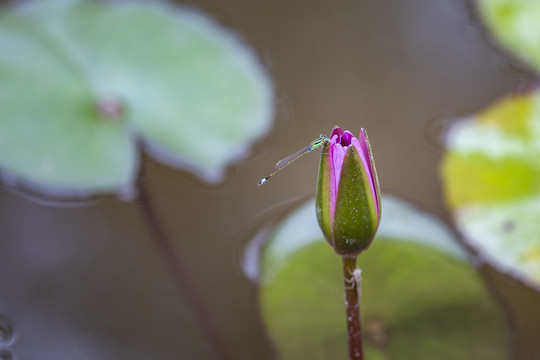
86	280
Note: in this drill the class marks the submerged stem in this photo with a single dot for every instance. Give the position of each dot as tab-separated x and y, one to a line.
180	273
352	308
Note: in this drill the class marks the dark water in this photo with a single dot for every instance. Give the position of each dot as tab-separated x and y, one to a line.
91	282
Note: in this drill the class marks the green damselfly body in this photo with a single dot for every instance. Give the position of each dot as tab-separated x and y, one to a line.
317	144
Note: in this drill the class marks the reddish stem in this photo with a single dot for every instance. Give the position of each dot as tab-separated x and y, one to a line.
354	328
180	273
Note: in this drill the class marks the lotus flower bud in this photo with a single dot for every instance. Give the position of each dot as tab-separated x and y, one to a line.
348	196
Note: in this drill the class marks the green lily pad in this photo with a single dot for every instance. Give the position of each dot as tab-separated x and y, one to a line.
421	298
514	23
491	177
84	81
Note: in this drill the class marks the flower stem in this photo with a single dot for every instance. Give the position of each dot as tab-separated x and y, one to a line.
352	308
180	273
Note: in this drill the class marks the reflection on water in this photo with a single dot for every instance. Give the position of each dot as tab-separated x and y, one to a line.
6	332
257	232
59	196
6	338
435	130
251	261
6	355
41	198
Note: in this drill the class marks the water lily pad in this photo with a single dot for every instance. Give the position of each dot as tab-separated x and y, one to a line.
491	177
421	298
514	23
84	81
